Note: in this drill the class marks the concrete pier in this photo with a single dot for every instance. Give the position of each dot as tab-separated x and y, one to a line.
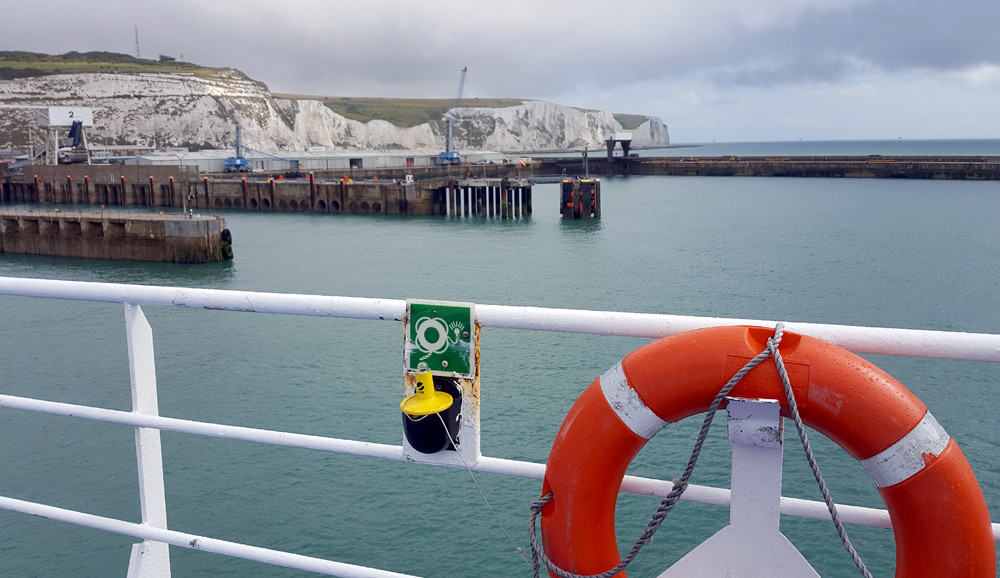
954	168
104	235
173	187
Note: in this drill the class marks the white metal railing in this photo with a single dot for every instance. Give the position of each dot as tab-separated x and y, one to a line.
151	555
867	340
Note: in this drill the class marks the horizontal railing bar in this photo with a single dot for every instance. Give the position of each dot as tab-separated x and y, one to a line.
632	484
867	340
270	437
195	542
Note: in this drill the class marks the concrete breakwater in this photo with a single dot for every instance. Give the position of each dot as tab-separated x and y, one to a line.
163	186
102	235
959	168
573	165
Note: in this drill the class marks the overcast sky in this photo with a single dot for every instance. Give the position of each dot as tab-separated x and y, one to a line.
713	70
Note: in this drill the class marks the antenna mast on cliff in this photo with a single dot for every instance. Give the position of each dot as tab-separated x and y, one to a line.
137	42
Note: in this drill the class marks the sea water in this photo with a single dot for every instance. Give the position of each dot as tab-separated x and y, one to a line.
897	253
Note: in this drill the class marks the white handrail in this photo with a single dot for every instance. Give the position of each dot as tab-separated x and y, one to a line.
196	542
870	340
904	342
874	517
633	484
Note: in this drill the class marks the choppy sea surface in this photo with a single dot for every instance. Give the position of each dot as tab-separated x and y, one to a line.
897	253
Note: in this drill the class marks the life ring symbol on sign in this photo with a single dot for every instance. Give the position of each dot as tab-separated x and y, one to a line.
940	521
447	334
431	346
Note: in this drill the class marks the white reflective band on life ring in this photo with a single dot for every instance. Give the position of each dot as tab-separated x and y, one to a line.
906	457
627	405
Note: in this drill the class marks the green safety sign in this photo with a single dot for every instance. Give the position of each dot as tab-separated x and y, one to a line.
440	334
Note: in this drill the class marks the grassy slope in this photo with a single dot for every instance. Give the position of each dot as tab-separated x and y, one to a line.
27	64
409	112
404	112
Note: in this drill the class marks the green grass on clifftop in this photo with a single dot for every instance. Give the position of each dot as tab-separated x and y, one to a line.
405	112
15	64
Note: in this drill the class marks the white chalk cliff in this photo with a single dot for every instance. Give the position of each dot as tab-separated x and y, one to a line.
202	111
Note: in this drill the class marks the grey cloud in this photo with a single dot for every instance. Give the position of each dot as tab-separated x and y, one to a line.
644	57
886	37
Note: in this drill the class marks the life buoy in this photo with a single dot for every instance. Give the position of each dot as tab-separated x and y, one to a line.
939	517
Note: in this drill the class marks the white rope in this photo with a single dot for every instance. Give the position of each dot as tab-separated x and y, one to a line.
481	492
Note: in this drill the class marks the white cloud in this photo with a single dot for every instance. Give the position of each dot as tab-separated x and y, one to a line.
981	76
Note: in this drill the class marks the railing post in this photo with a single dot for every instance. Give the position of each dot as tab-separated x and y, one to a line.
148	558
752	541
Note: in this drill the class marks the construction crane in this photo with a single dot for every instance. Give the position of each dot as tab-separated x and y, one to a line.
238	163
450	156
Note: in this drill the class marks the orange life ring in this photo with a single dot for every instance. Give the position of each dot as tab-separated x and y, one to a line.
939	517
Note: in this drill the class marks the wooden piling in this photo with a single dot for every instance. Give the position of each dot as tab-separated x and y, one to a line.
586	199
312	191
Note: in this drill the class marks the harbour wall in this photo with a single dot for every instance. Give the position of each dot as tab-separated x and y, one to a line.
957	168
920	167
103	235
597	164
173	187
